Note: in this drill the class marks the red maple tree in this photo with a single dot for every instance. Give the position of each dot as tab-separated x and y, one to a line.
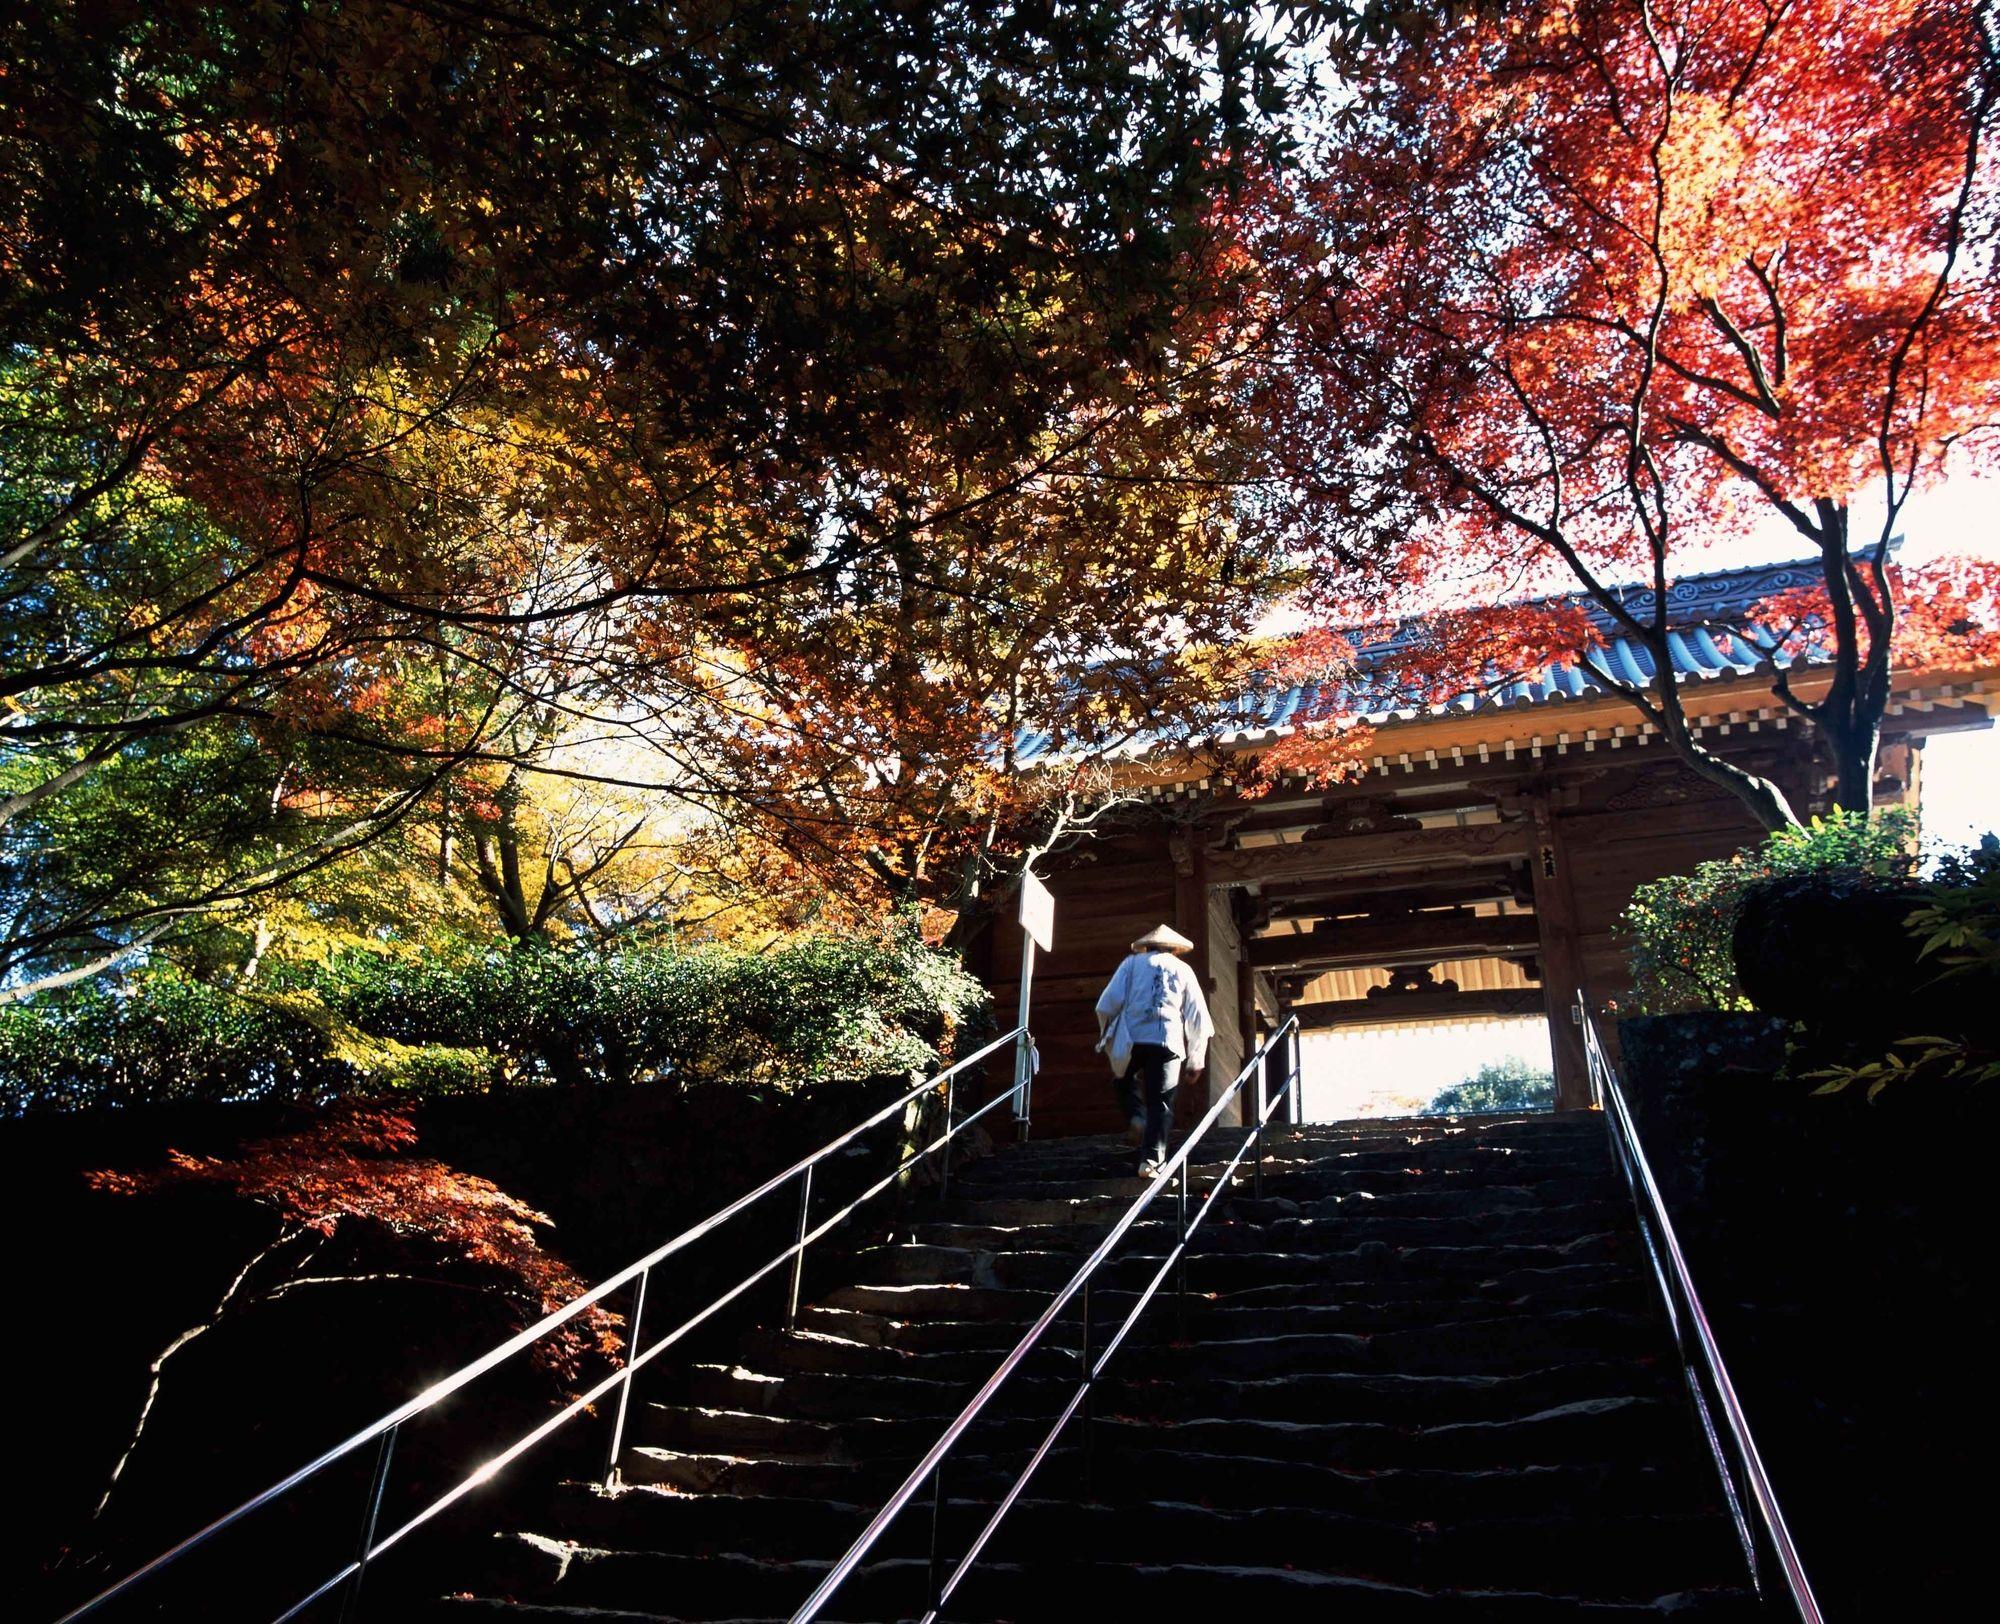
1585	286
352	1170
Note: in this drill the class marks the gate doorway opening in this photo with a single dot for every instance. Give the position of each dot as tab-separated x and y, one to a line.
1434	1067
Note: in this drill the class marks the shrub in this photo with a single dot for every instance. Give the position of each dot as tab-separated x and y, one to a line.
159	1039
1501	1085
1956	925
819	1006
1681	926
368	1024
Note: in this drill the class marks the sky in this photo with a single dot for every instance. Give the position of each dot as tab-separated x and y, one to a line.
1350	1074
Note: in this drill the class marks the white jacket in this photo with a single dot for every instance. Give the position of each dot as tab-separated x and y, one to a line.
1154	998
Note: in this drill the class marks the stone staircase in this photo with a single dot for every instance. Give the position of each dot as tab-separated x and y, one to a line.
1423	1378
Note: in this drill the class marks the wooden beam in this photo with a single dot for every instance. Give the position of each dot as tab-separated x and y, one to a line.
1393	1008
1341	803
1400	849
1417	939
1942	718
1395	893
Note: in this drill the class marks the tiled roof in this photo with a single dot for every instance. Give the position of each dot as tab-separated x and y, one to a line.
1699	607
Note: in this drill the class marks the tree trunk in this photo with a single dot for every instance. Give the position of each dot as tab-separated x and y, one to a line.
1853	752
1768	804
231	1298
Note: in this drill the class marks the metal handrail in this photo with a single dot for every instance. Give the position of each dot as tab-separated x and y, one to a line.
1686	1316
386	1428
931	1466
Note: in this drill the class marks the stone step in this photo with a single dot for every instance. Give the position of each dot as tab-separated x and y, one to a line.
1238	1277
733	1586
1549	1224
1253	1308
945	1318
824	1354
695	1430
1293	1179
968	1350
1388	1159
1432	1196
1326	1248
1371	1169
1578	1432
1306	1396
1545	1133
1386	1168
897	1317
1357	1277
1625	1557
1232	1479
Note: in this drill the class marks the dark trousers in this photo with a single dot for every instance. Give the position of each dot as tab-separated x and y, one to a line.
1147	1091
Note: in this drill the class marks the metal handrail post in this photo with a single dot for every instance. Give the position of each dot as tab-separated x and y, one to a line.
625	1387
378	1485
799	1251
944	1170
932	1600
1180	1250
1024	1049
1089	1397
1257	1170
1295	1052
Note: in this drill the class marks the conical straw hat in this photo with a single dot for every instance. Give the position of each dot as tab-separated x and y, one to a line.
1165	938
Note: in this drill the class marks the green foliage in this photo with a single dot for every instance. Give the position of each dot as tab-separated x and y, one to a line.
1958	922
817	1006
370	1025
1680	926
1499	1085
159	1040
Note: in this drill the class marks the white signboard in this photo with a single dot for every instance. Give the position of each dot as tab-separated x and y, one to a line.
1038	912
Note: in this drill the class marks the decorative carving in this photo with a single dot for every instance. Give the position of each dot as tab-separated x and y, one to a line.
1364	815
1407	980
1667	785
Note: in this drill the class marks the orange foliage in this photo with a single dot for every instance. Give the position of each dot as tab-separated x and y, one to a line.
1450	655
1584	287
1948	616
353	1166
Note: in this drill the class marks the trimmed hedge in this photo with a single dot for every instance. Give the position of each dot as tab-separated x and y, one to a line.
371	1024
160	1040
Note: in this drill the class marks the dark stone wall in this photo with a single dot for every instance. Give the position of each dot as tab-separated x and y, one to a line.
1843	1250
104	1281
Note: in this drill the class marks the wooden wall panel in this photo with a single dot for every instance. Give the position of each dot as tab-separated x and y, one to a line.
1222	984
1101	907
1613	851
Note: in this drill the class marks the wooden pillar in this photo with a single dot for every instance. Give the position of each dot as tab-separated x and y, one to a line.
1246	1009
1191	920
1560	952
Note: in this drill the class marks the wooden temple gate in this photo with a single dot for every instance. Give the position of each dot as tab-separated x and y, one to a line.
1477	868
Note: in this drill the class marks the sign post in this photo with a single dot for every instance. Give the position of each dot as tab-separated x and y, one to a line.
1038	926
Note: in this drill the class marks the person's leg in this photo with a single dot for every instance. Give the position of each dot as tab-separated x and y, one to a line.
1132	1103
1162	1076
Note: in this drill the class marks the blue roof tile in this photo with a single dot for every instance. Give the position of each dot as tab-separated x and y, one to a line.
1696	604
